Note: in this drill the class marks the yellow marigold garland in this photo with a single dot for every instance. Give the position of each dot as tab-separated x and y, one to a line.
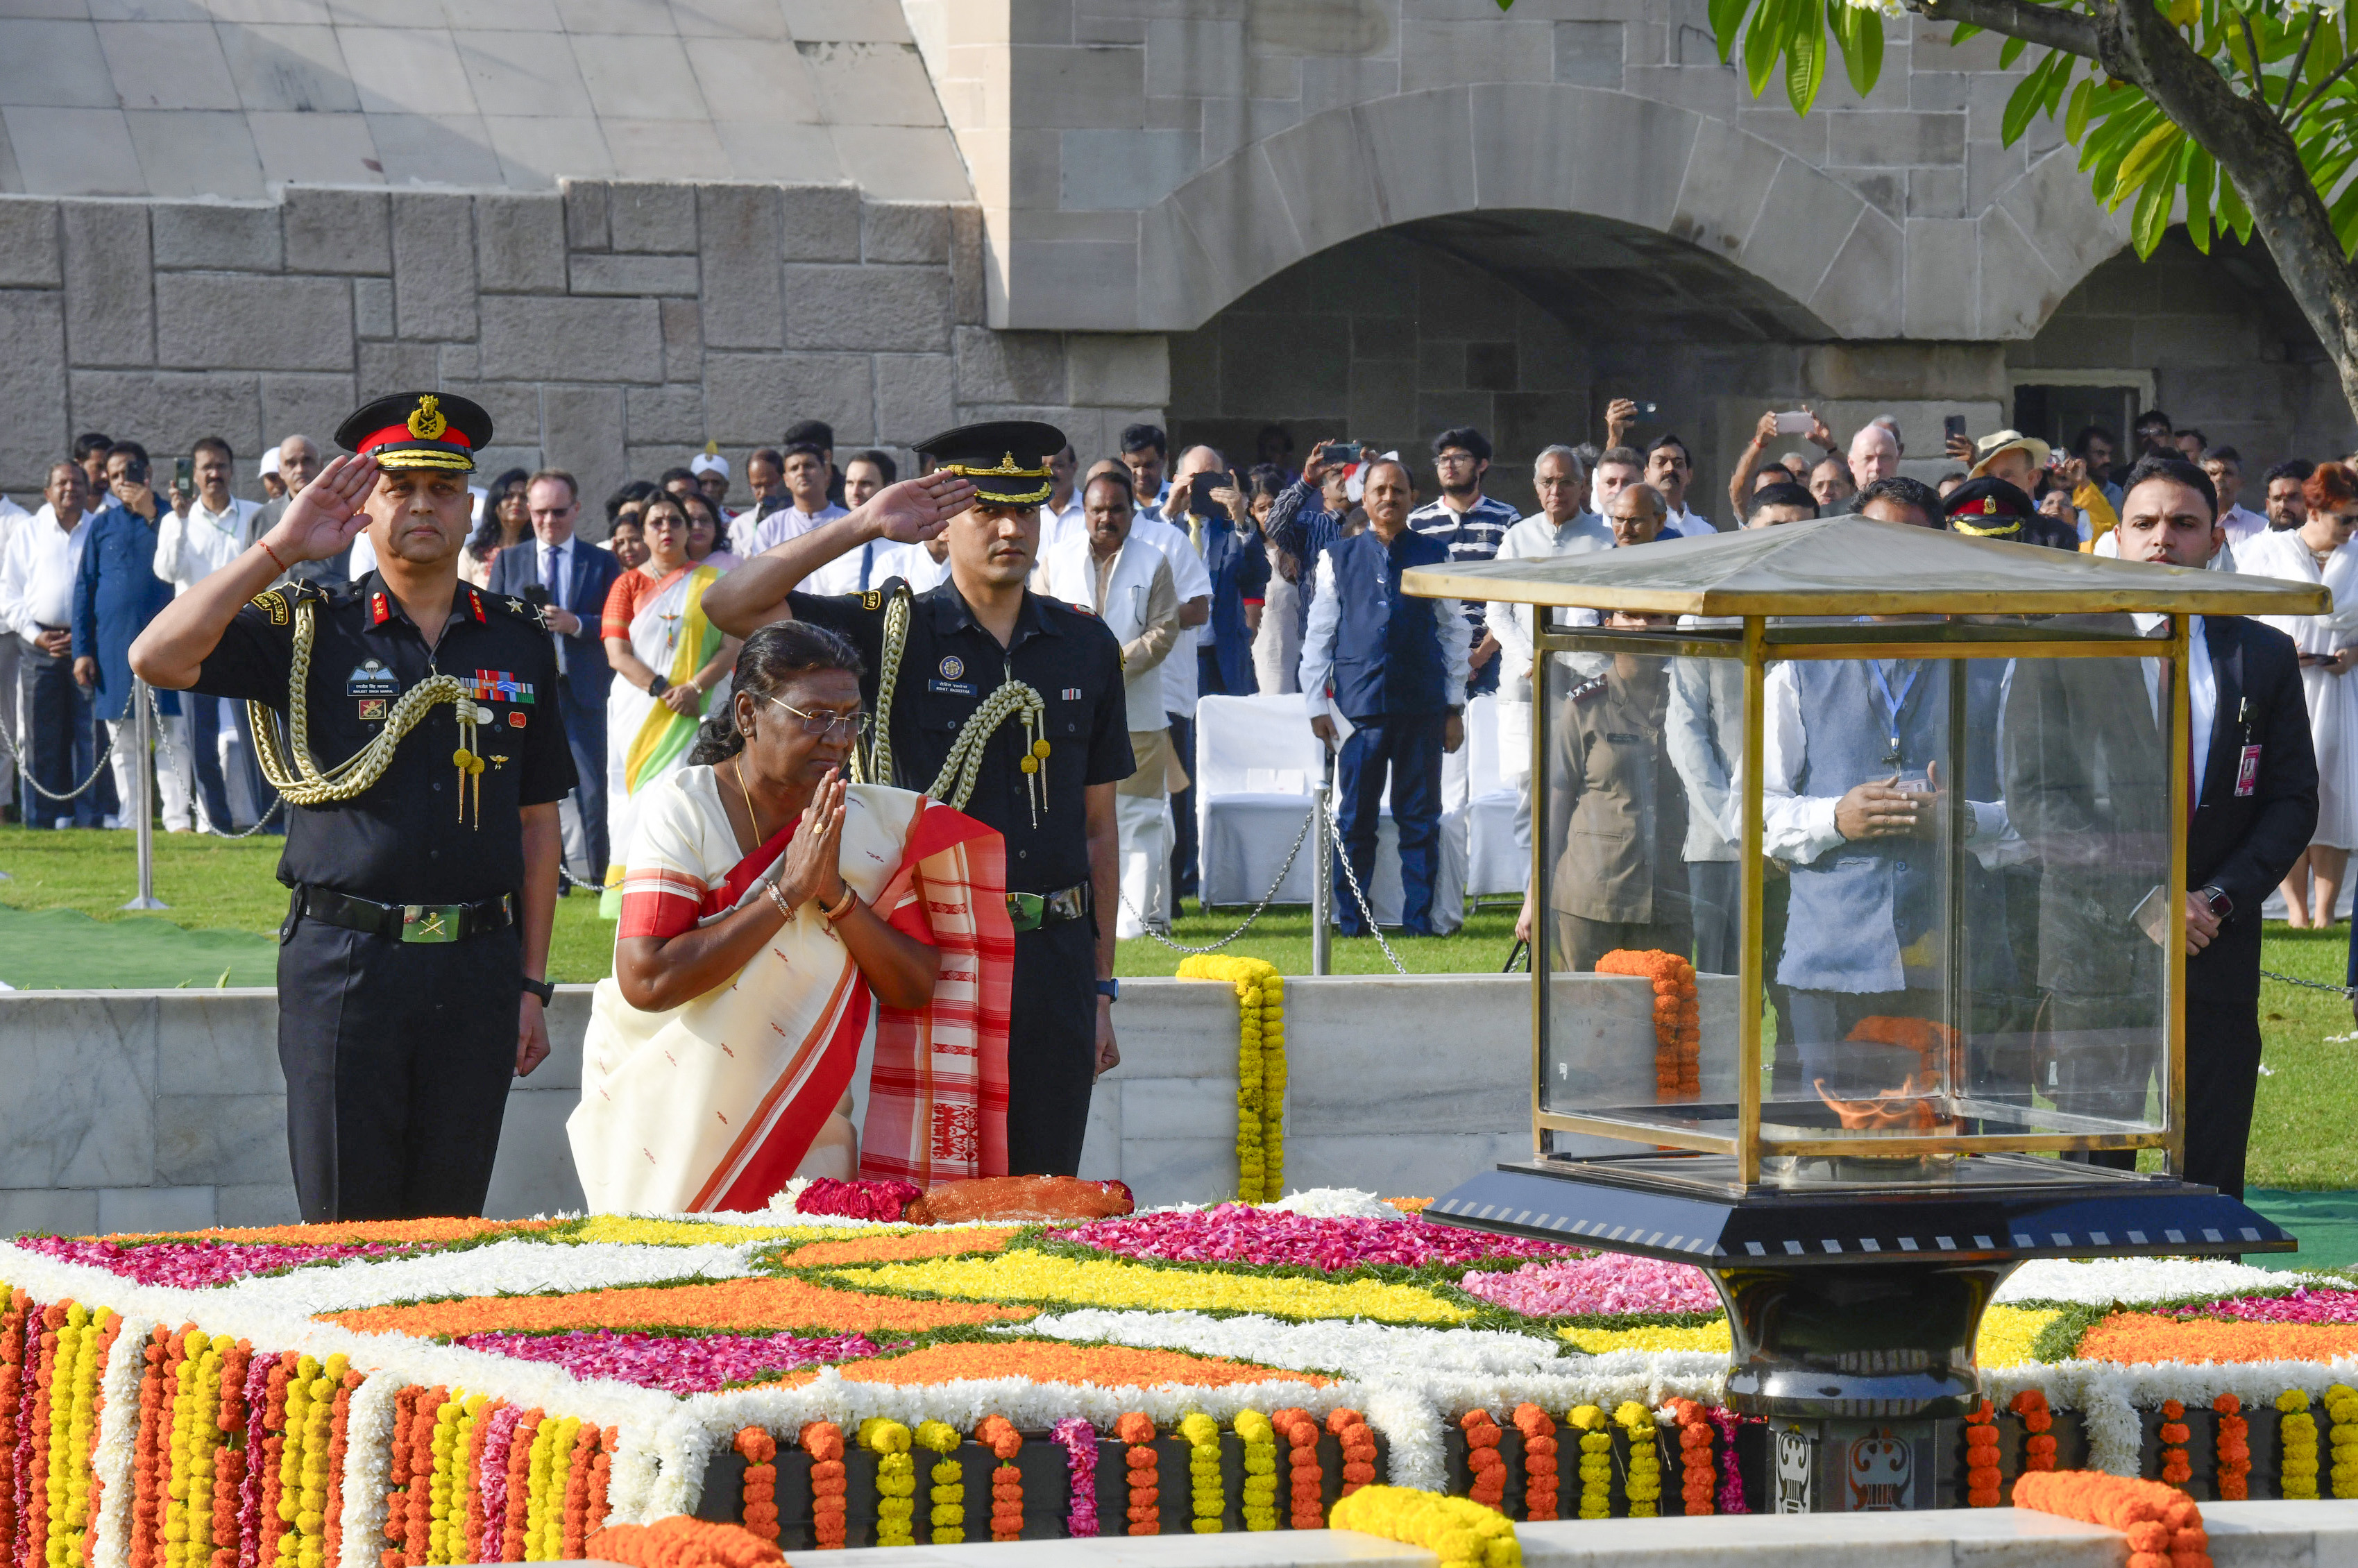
1596	1461
1645	1458
2296	1445
896	1479
1259	1436
1204	1491
1261	1068
1463	1534
949	1496
73	1389
2341	1409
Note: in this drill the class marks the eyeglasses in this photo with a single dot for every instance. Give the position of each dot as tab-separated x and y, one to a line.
826	726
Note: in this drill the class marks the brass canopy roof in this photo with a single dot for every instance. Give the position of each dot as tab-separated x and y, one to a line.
1855	565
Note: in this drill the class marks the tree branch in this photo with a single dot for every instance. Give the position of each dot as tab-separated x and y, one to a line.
2026	19
2292	118
2300	64
2251	42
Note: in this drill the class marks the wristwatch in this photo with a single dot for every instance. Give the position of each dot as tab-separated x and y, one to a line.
659	685
1109	989
2218	902
541	989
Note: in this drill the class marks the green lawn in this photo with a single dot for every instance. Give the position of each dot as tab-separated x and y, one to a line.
227	904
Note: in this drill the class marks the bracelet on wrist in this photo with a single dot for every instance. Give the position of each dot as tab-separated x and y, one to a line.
275	561
778	897
842	906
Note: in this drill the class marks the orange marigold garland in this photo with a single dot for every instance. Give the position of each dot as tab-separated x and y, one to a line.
998	1434
1678	1018
1482	1457
476	1503
573	1530
2231	1472
1358	1440
2176	1470
1540	1479
147	1490
760	1510
601	1474
2039	1422
1698	1472
680	1541
1307	1494
229	1459
12	1368
823	1441
44	1363
1982	1486
2164	1527
396	1474
1136	1429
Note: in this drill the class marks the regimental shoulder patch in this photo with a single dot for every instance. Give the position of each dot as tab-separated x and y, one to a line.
371	709
1588	688
1081	608
475	603
272	603
871	600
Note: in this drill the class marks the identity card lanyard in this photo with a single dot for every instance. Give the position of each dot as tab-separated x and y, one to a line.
1894	704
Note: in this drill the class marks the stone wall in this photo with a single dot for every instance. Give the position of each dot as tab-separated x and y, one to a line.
609	328
167	1109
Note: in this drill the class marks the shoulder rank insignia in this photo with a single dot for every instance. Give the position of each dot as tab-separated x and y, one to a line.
272	603
380	608
1588	688
475	603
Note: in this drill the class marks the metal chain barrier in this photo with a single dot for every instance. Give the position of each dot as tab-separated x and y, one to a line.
24	771
2308	985
1366	913
1307	817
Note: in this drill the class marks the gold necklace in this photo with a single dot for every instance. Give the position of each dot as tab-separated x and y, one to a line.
752	818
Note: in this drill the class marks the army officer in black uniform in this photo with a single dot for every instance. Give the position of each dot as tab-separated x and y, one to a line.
424	766
1045	783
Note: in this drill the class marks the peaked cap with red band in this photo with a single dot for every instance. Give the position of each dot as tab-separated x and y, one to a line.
418	430
1988	508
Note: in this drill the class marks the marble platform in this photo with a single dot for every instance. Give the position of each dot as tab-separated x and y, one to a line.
2242	1535
144	1110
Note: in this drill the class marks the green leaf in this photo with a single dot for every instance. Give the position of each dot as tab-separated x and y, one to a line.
1764	41
2075	118
1805	68
2232	213
2021	104
2151	219
2010	52
1726	24
2143	158
2196	169
1859	30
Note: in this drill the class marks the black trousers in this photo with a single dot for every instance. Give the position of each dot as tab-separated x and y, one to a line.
2222	1078
53	712
398	1058
1052	1048
1182	812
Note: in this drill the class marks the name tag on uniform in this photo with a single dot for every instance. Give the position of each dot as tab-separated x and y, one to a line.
373	679
954	688
2247	771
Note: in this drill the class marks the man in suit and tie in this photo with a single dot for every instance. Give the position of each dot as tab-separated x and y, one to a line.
2087	781
575	576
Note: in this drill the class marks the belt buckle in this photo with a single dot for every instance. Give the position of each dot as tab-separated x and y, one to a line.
429	922
1026	911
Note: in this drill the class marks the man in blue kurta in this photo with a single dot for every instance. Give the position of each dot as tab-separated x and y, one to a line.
116	594
1395	668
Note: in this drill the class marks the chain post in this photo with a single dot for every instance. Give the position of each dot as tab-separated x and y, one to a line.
142	755
1322	886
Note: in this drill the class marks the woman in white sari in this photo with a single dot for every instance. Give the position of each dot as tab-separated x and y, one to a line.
670	665
2320	551
764	902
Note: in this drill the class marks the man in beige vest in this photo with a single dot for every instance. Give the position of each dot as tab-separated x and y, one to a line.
1128	583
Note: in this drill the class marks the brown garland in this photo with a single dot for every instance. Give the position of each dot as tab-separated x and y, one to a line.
12	1384
601	1473
575	1529
476	1433
396	1495
758	1500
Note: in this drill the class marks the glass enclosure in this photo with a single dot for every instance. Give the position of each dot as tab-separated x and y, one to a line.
1841	901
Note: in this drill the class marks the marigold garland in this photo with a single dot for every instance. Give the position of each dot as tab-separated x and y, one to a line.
1482	1459
2164	1527
1080	1443
1260	1067
1110	1282
1258	1436
948	1495
1207	1497
2175	1468
1462	1533
2296	1445
823	1441
1645	1487
759	1509
1137	1431
897	1480
2230	1472
758	1304
1982	1484
1540	1478
1596	1461
1358	1440
680	1541
1698	1473
1306	1478
998	1434
2342	1439
1048	1361
1678	1017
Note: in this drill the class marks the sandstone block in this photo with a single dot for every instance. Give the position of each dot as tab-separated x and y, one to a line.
751	397
1118	367
303	405
1009	367
208	319
514	408
1942	298
32	368
205	1140
264	1203
683	339
905	231
634	275
875	309
214	234
535	338
583	433
966	275
28	242
740	230
372	306
674	413
338	231
433	265
110	285
519	243
820	222
396	367
458	362
657	216
169	411
585	228
916	395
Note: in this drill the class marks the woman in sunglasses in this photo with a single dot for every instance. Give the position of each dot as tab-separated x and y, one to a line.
764	902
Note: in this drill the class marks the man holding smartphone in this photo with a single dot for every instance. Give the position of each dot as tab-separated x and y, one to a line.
116	593
1472	525
197	539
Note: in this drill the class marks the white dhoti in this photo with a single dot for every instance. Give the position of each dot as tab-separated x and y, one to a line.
1146	832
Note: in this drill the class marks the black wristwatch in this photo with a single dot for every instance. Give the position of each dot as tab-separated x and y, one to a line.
1109	989
2216	900
541	989
659	685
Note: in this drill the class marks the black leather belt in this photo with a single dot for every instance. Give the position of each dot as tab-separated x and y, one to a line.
403	921
1031	911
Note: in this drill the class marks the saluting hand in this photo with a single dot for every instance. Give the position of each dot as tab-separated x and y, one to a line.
812	865
328	513
915	510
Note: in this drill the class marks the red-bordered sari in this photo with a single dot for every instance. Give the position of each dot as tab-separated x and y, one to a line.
712	1105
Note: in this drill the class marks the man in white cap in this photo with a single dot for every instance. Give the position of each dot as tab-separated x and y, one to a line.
711	471
274	483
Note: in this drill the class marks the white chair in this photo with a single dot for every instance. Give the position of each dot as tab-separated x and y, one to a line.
1497	866
1256	763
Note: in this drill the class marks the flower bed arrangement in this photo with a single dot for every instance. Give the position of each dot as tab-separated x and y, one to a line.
385	1397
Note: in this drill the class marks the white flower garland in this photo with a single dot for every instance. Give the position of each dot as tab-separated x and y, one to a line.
368	1469
2133	1281
114	1454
